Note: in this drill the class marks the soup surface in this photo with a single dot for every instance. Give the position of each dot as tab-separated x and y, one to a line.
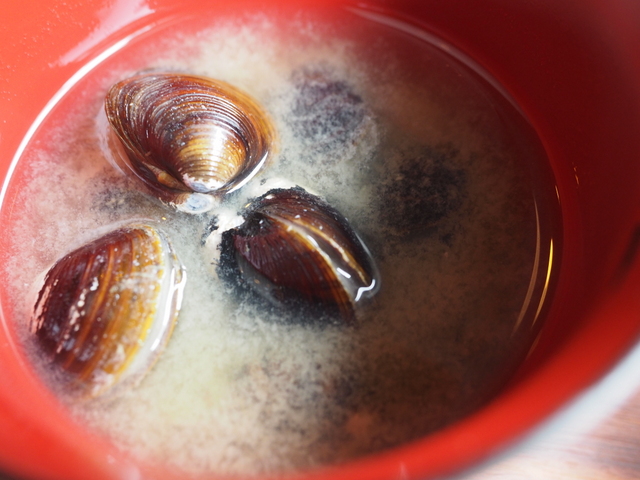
433	166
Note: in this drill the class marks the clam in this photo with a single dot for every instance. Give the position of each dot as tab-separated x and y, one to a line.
188	138
106	310
296	251
327	116
424	187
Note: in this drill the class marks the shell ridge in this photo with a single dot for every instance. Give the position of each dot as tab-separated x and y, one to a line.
327	245
148	309
114	270
78	317
164	122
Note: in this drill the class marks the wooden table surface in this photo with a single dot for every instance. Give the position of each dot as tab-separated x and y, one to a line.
607	450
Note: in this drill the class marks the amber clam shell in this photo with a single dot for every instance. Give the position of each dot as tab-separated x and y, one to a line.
107	309
297	251
188	137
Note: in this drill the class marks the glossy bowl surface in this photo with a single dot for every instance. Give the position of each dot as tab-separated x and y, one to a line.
573	68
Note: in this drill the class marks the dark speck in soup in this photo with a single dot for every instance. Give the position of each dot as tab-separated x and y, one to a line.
438	173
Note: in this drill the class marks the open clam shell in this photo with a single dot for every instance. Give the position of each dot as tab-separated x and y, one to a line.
107	309
296	251
188	138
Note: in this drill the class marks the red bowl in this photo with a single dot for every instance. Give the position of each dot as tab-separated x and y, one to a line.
572	66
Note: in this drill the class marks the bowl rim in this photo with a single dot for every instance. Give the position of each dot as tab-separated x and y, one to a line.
501	419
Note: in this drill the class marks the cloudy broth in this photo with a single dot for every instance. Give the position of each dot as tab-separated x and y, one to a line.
433	166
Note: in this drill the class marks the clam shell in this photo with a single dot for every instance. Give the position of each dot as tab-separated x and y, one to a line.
296	251
107	309
424	186
188	137
327	116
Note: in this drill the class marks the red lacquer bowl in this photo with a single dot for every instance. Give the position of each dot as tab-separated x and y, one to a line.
574	69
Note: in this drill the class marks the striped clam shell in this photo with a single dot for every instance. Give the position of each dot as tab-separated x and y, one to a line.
106	310
296	251
188	138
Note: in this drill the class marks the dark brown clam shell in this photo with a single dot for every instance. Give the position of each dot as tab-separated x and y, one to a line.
107	309
187	137
296	251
